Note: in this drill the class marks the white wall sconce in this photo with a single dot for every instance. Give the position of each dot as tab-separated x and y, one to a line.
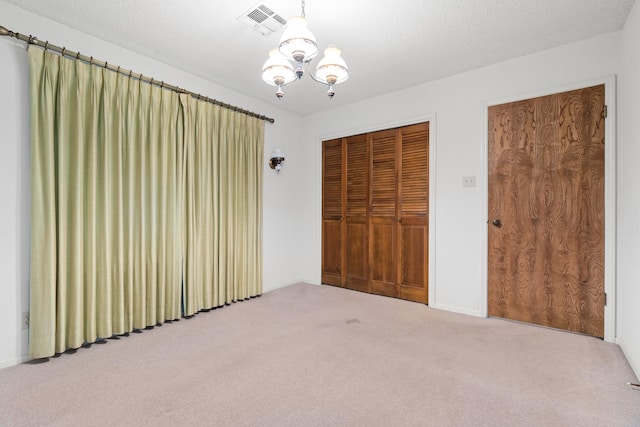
276	160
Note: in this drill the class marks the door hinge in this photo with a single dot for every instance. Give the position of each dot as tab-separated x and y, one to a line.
605	298
605	112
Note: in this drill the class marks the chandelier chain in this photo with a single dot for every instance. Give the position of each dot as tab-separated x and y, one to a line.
303	9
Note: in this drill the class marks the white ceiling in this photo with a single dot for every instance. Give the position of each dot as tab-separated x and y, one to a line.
388	44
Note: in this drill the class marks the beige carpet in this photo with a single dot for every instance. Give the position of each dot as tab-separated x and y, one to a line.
322	356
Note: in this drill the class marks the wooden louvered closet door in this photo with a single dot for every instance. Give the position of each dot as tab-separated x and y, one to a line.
384	215
413	195
332	214
357	224
385	181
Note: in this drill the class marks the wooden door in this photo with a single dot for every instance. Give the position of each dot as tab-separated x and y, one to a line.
413	213
375	212
357	233
384	215
546	211
332	212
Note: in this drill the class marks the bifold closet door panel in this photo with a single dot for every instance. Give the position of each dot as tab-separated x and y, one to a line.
357	215
332	213
413	196
384	215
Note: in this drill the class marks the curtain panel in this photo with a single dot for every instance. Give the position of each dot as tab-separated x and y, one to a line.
222	205
146	204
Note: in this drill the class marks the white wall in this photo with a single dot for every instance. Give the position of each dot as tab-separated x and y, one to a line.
281	227
459	103
628	273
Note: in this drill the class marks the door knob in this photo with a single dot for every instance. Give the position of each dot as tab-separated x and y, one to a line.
496	222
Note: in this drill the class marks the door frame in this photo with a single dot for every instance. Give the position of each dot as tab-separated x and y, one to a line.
376	126
609	192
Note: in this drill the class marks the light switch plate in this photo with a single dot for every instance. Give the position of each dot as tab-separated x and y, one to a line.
469	181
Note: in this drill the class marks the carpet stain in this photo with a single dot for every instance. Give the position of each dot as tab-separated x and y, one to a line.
348	321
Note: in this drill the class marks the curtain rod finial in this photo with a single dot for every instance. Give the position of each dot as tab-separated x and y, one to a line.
4	31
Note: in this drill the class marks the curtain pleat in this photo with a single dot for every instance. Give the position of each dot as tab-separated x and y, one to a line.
44	201
146	204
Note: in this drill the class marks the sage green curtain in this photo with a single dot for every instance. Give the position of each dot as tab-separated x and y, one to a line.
130	188
223	205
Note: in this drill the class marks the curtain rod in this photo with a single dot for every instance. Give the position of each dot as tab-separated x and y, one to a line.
77	55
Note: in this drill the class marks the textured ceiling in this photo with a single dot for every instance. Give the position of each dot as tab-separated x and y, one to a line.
388	44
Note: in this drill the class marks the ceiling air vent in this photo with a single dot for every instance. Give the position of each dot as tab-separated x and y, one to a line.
262	19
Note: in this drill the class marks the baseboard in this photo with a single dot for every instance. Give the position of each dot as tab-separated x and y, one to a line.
459	310
632	362
8	363
15	361
284	285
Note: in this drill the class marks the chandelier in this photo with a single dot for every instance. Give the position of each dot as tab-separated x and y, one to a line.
299	45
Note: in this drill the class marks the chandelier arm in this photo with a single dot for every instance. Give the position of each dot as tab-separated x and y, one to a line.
313	77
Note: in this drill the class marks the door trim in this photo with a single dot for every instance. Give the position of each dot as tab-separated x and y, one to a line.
376	126
609	193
